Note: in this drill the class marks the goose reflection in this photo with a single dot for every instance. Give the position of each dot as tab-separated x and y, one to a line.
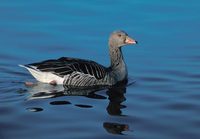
115	128
116	96
41	91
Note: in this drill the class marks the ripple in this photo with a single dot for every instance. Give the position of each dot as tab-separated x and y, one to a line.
21	91
178	73
195	76
12	72
95	96
180	106
34	109
7	110
9	57
83	106
193	96
195	58
60	102
155	79
44	95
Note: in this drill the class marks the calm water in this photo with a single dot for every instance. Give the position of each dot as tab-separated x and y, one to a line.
162	100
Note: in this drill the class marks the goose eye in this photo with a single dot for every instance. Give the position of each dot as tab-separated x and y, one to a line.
119	35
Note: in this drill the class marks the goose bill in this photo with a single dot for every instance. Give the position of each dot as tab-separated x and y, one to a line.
130	41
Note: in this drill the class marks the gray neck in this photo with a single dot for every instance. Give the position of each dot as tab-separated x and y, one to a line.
116	57
118	66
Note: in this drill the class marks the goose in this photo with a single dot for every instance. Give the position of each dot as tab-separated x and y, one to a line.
85	73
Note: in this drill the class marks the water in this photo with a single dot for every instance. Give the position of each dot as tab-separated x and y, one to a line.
162	99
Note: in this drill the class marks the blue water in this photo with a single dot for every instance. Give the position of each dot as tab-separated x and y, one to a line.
162	99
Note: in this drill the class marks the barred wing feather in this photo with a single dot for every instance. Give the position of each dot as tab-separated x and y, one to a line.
65	66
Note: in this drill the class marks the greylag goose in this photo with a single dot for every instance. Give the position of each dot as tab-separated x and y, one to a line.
85	73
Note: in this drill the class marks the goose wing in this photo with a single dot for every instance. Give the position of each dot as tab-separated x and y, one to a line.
64	66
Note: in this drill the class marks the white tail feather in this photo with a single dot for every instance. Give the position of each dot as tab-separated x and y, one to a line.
45	77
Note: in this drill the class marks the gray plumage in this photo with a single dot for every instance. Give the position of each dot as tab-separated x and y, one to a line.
85	73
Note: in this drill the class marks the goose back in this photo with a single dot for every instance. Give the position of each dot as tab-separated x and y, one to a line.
65	66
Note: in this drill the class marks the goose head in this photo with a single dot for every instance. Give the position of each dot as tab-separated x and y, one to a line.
120	38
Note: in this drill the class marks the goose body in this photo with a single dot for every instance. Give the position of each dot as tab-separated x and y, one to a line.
85	73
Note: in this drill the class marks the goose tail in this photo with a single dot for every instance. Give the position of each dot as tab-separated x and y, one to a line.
45	77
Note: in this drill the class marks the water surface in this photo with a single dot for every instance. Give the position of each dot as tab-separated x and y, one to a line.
162	99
